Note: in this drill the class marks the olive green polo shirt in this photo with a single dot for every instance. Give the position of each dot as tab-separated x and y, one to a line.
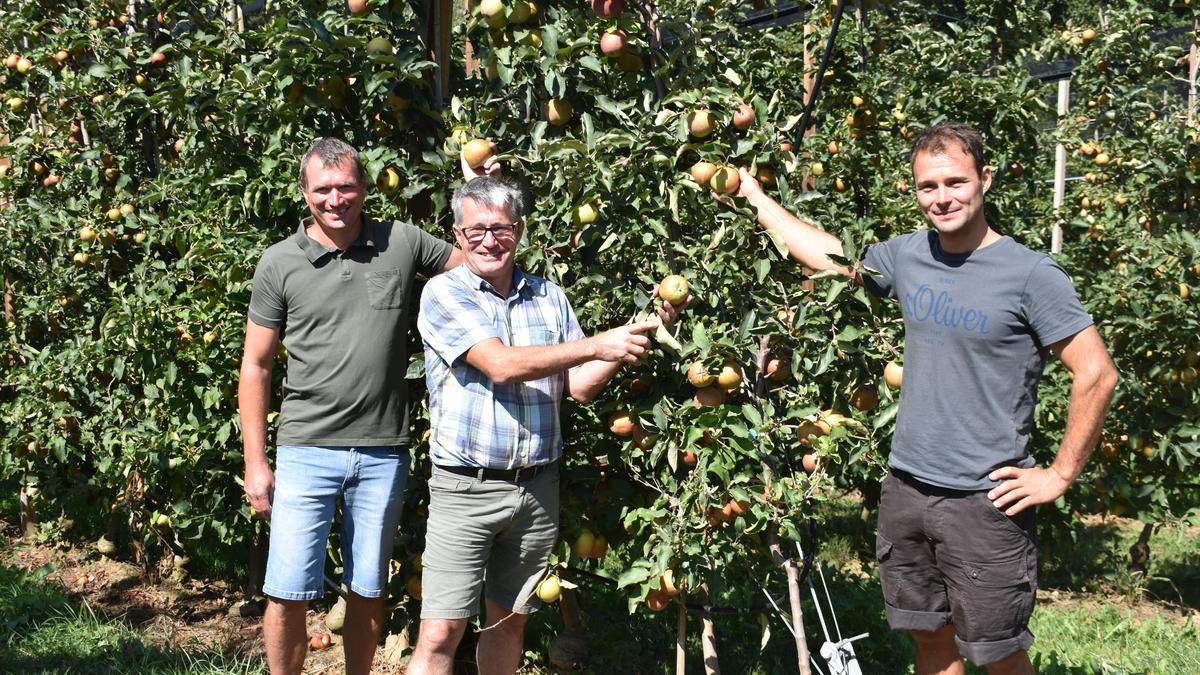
343	317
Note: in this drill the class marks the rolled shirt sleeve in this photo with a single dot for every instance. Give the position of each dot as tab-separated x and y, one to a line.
451	321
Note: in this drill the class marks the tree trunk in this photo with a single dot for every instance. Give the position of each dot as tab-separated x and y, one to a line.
28	499
569	648
793	579
708	639
256	570
681	641
871	494
1139	553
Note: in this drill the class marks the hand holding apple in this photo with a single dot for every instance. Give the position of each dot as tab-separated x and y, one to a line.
749	187
676	295
477	161
624	343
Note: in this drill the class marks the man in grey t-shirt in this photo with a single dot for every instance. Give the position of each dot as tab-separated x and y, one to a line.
956	545
336	293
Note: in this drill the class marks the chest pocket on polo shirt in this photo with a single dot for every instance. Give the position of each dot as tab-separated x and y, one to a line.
385	289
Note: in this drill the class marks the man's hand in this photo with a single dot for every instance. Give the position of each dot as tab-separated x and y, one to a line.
1025	488
260	489
669	313
490	167
625	343
749	187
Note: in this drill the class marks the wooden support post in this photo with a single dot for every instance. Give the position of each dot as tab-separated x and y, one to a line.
681	641
1060	168
472	61
808	182
1193	67
441	16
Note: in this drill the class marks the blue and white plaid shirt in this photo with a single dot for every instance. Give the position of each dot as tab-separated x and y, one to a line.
476	422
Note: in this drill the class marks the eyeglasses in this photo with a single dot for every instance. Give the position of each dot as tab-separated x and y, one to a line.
477	233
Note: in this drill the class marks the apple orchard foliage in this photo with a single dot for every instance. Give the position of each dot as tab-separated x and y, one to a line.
120	367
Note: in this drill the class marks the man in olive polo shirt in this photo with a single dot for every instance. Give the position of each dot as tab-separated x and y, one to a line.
336	293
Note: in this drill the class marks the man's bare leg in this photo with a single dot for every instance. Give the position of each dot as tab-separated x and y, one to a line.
937	653
364	620
436	645
1014	664
285	635
500	645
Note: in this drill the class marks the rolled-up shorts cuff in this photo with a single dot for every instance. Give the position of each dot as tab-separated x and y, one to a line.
908	619
447	614
983	653
291	595
366	592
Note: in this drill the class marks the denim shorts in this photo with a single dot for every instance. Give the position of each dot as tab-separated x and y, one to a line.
496	534
951	557
308	483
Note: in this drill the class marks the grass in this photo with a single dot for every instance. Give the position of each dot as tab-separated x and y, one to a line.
1112	639
1121	626
1108	621
49	634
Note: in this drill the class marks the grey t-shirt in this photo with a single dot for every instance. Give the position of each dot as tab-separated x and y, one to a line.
977	327
344	319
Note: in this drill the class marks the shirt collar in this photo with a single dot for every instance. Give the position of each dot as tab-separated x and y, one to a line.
314	251
521	283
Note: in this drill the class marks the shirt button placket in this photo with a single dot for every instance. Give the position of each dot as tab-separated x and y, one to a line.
521	421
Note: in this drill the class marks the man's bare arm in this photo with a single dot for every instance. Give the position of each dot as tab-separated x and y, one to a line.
505	364
1095	379
809	245
254	398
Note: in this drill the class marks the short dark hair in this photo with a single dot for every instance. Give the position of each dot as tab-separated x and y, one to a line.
493	192
331	152
937	137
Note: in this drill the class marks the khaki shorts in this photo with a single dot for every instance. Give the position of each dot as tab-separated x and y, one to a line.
951	557
487	532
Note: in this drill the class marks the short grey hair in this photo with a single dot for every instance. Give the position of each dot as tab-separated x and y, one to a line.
331	152
496	192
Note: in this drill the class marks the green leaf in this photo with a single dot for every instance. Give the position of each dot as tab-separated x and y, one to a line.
886	415
752	415
748	321
851	333
777	239
633	575
762	269
826	359
700	337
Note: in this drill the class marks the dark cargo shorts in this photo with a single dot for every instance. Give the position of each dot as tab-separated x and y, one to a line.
951	557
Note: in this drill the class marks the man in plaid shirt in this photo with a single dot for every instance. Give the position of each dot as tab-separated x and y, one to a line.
501	347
